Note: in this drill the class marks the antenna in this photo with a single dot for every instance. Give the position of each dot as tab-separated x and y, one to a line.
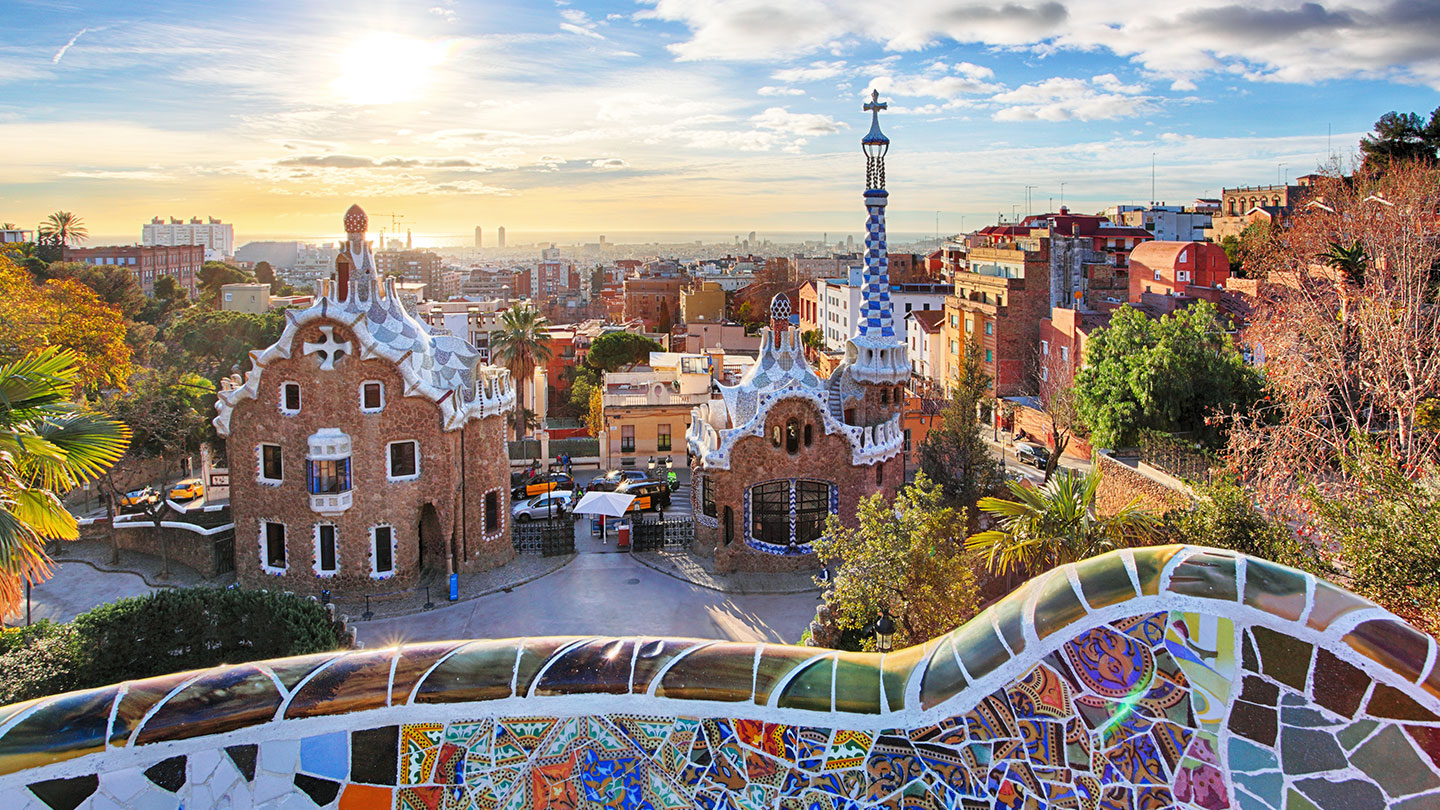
1027	199
1152	179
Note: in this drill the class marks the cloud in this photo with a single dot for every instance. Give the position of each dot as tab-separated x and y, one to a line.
1063	99
609	163
123	174
60	54
946	87
1183	85
815	71
578	22
780	119
1263	40
770	90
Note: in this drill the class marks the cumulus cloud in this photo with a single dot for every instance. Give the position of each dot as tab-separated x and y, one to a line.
1263	40
779	119
946	87
770	90
1066	99
813	72
609	163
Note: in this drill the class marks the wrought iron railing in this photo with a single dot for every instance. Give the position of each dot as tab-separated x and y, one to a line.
548	538
653	535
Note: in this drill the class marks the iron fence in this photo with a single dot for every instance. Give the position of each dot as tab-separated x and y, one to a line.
653	535
1179	456
548	538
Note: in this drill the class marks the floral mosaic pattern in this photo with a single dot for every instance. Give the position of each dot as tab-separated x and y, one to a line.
1156	707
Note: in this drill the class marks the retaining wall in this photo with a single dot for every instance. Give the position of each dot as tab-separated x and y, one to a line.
1166	677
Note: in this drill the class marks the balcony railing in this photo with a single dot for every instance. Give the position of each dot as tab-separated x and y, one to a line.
332	502
653	398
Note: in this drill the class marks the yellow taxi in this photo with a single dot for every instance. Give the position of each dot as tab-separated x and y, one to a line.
186	490
540	484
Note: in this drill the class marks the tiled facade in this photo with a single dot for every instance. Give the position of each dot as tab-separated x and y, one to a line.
1165	677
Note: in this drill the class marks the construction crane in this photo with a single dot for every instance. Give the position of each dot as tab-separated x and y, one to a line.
395	220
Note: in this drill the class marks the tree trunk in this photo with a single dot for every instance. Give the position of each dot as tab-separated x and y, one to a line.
110	521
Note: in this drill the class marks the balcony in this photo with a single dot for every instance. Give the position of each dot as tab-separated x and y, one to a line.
642	399
330	503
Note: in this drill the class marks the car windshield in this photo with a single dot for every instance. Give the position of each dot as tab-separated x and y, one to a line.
135	493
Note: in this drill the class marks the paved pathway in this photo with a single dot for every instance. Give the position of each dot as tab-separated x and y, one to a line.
76	588
606	594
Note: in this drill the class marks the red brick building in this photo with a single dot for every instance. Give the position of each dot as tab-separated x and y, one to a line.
1184	269
809	307
147	263
363	449
648	297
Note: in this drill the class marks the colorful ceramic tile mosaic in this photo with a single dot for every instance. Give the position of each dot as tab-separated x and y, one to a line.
1171	677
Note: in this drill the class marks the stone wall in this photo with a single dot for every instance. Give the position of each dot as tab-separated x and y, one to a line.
1122	482
204	553
1168	677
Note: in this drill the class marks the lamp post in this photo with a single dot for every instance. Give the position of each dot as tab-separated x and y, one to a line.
884	631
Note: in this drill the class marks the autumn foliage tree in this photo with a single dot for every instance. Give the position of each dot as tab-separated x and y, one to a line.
1348	322
63	313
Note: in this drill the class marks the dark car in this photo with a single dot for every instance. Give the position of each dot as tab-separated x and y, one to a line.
544	482
1032	454
609	481
649	495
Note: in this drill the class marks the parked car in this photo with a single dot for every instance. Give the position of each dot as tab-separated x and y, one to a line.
609	481
1032	454
554	503
649	495
544	482
186	490
137	499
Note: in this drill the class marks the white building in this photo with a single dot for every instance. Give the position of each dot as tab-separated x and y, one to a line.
1169	223
924	345
217	237
472	321
16	235
838	304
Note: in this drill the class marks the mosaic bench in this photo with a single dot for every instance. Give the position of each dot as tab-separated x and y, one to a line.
1163	677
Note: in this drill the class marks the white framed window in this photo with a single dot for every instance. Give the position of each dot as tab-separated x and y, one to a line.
1064	354
1044	347
402	460
229	296
273	558
327	550
290	397
382	551
271	464
372	396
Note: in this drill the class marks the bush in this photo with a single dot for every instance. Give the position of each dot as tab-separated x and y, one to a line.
162	632
1225	516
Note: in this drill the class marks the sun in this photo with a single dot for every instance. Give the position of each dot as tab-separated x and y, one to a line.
384	68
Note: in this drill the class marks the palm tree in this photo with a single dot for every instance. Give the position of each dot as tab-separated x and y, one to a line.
521	345
1056	524
1350	260
63	228
47	445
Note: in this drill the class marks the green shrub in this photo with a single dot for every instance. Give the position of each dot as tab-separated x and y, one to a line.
1224	515
162	632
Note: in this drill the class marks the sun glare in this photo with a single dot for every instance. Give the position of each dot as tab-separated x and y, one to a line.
383	68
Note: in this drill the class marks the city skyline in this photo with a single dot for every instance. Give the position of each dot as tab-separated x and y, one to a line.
672	116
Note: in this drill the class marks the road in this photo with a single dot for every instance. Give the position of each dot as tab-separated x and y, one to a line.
76	588
606	594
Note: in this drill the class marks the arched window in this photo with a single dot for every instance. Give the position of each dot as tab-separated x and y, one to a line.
775	436
808	434
792	437
884	396
787	515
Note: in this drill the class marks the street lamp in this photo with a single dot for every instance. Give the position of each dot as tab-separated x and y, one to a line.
884	632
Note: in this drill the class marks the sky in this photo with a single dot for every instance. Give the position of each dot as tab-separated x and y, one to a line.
678	115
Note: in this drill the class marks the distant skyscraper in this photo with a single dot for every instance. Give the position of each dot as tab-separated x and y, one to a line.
751	240
850	243
408	243
478	243
500	236
218	238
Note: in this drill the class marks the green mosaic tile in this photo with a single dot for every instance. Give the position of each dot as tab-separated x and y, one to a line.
1150	564
1392	644
1355	733
651	656
1309	750
857	683
1058	606
358	681
1207	574
979	647
601	666
897	669
1282	657
724	671
63	727
1009	615
222	700
1390	759
811	687
775	663
942	679
1104	581
291	671
481	670
1274	588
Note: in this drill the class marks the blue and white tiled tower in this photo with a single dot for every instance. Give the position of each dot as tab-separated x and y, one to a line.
876	354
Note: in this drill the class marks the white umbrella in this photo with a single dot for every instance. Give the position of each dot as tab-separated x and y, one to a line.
606	504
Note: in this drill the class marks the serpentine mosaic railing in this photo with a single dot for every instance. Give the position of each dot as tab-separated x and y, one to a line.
1150	678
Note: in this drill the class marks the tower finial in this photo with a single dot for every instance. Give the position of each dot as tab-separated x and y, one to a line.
875	144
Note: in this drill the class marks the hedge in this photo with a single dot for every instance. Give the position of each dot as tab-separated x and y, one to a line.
158	633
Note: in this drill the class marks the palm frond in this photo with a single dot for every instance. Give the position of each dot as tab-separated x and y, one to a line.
91	443
37	380
42	511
